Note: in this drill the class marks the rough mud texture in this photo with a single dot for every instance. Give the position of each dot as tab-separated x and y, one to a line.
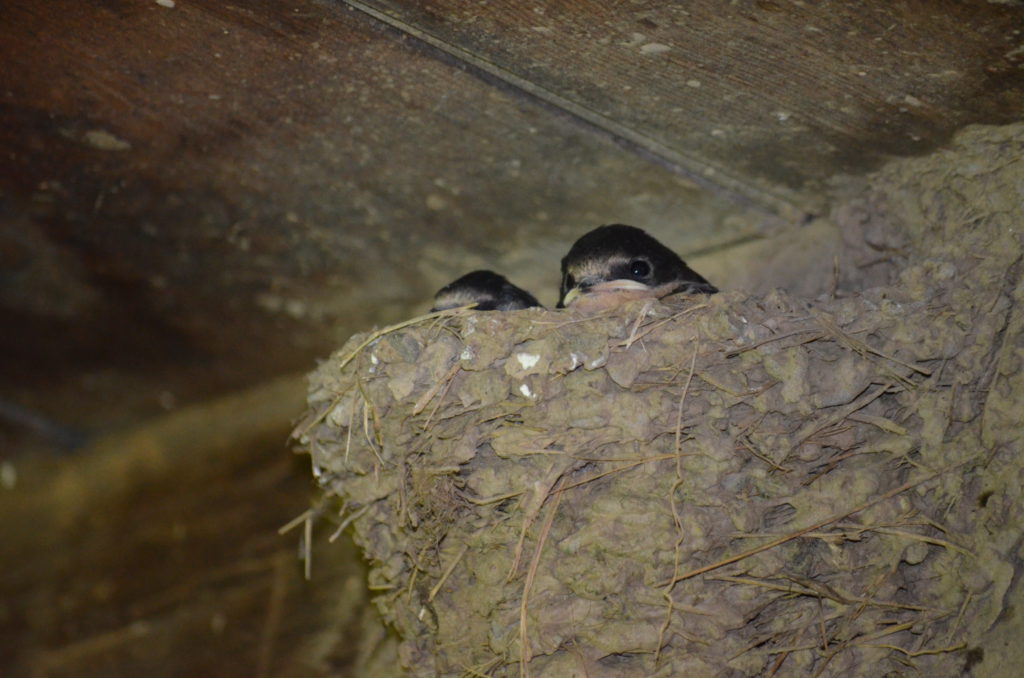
725	486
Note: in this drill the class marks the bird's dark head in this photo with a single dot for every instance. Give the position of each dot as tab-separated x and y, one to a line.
625	259
487	289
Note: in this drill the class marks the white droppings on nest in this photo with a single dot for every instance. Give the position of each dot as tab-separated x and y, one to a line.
467	353
527	360
525	390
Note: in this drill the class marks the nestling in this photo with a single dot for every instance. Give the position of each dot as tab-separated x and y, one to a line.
487	289
616	263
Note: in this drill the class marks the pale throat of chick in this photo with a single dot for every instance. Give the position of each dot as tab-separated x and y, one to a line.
616	273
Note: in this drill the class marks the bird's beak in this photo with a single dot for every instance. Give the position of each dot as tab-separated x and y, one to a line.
621	285
571	295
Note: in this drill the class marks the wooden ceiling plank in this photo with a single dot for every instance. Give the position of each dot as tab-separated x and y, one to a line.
777	199
769	98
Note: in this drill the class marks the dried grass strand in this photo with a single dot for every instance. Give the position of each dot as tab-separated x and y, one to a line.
531	574
815	526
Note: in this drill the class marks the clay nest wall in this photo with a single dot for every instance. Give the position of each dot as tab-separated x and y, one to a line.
722	486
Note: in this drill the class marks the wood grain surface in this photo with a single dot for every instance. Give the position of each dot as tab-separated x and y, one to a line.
769	98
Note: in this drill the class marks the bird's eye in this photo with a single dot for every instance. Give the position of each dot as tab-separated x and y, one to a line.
639	268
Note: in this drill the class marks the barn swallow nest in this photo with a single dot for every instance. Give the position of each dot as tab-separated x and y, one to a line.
723	486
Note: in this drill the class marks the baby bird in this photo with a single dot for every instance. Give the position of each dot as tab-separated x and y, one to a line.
488	290
616	263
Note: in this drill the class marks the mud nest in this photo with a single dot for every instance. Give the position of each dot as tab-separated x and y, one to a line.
723	486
